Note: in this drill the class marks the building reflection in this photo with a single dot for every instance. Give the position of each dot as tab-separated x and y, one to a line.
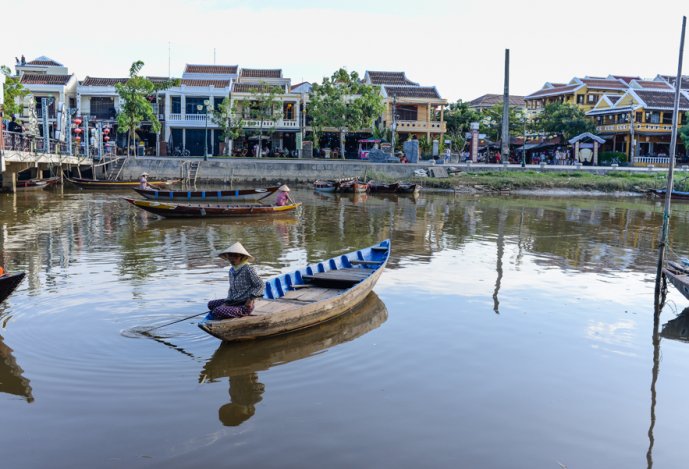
11	379
241	362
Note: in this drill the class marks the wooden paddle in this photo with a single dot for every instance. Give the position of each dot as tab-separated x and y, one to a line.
146	331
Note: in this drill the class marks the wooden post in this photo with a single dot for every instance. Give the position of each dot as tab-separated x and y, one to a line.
505	147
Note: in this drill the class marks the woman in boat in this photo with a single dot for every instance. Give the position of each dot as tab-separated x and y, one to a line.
283	196
143	182
245	286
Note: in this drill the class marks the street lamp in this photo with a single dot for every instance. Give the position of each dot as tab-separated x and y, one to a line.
199	107
524	145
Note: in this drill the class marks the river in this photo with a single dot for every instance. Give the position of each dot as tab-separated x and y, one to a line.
505	332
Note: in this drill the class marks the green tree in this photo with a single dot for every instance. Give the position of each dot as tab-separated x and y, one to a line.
264	106
491	122
136	106
683	133
14	92
458	117
344	102
562	119
229	121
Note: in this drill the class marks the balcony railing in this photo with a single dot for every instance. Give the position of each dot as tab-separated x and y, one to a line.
420	126
624	127
14	141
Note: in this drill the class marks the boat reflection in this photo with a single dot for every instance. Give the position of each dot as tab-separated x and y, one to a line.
241	361
677	328
11	379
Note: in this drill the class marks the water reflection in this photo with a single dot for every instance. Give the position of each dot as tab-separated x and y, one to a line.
11	379
677	328
241	362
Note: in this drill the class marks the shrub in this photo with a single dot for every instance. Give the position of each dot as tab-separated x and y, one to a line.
608	158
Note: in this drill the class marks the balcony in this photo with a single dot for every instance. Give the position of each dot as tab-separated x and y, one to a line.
421	126
638	127
279	124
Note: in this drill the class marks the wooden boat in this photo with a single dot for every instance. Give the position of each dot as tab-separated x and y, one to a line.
678	276
37	184
308	296
354	186
331	185
100	184
213	196
393	188
675	195
179	210
9	282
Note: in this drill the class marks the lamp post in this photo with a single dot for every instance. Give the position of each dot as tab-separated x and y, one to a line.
524	145
199	107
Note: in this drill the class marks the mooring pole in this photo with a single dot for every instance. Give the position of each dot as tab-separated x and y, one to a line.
505	147
671	166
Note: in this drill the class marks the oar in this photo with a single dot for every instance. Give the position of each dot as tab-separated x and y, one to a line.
146	331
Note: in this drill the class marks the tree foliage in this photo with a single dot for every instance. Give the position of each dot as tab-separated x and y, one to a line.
264	106
13	91
683	133
458	118
136	105
491	122
344	102
563	119
229	122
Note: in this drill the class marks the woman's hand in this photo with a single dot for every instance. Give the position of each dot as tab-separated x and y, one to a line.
249	303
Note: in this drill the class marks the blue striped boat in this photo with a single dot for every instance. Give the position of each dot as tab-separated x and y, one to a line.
208	195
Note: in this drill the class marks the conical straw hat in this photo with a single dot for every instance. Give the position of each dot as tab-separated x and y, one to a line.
283	188
236	248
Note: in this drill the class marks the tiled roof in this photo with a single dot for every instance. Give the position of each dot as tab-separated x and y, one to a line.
412	92
625	79
35	79
94	81
212	69
660	85
260	73
44	61
603	83
662	99
672	79
390	78
488	100
204	83
555	91
255	88
294	87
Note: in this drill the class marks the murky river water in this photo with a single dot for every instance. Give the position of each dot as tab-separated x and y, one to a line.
506	332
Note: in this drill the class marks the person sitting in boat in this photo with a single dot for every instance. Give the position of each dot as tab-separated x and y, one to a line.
143	182
245	286
283	196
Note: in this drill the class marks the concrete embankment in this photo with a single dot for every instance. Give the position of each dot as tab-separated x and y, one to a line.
298	170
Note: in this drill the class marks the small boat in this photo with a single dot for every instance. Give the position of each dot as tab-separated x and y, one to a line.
352	187
103	184
308	296
331	185
678	275
393	188
213	196
37	184
179	210
9	282
675	195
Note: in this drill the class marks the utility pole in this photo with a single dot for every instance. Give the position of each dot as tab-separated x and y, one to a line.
505	150
394	123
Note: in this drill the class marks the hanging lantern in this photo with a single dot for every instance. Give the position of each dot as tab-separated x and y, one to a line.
77	121
77	131
106	131
106	138
77	139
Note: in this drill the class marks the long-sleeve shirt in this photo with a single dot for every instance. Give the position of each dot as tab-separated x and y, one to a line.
244	283
282	199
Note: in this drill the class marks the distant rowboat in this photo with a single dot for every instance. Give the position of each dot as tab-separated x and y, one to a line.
179	210
9	282
209	195
113	185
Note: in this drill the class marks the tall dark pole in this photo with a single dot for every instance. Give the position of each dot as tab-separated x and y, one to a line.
505	150
671	167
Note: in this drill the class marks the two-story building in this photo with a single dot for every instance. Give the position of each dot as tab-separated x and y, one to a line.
187	110
581	92
272	130
639	123
412	109
488	101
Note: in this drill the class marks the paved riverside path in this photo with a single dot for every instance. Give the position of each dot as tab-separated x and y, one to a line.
300	170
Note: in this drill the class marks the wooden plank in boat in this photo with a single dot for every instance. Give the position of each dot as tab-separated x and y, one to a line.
342	274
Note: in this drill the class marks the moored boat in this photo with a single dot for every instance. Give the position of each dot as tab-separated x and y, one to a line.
180	210
37	184
678	276
208	195
352	187
393	188
308	296
675	195
100	184
9	282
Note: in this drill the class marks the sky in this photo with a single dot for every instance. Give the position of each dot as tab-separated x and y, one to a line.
458	46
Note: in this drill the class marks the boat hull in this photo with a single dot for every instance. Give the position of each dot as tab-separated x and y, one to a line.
113	185
204	196
676	195
9	282
279	313
178	210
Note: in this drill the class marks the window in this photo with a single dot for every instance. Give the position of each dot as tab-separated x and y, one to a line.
192	102
652	117
176	104
407	113
639	116
667	118
102	107
580	99
592	98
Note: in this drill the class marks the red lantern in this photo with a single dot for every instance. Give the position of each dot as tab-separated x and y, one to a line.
77	138
106	138
77	131
77	121
106	131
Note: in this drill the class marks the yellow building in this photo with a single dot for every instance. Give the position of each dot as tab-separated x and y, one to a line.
582	92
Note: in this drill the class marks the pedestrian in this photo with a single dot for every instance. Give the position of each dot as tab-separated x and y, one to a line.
245	286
